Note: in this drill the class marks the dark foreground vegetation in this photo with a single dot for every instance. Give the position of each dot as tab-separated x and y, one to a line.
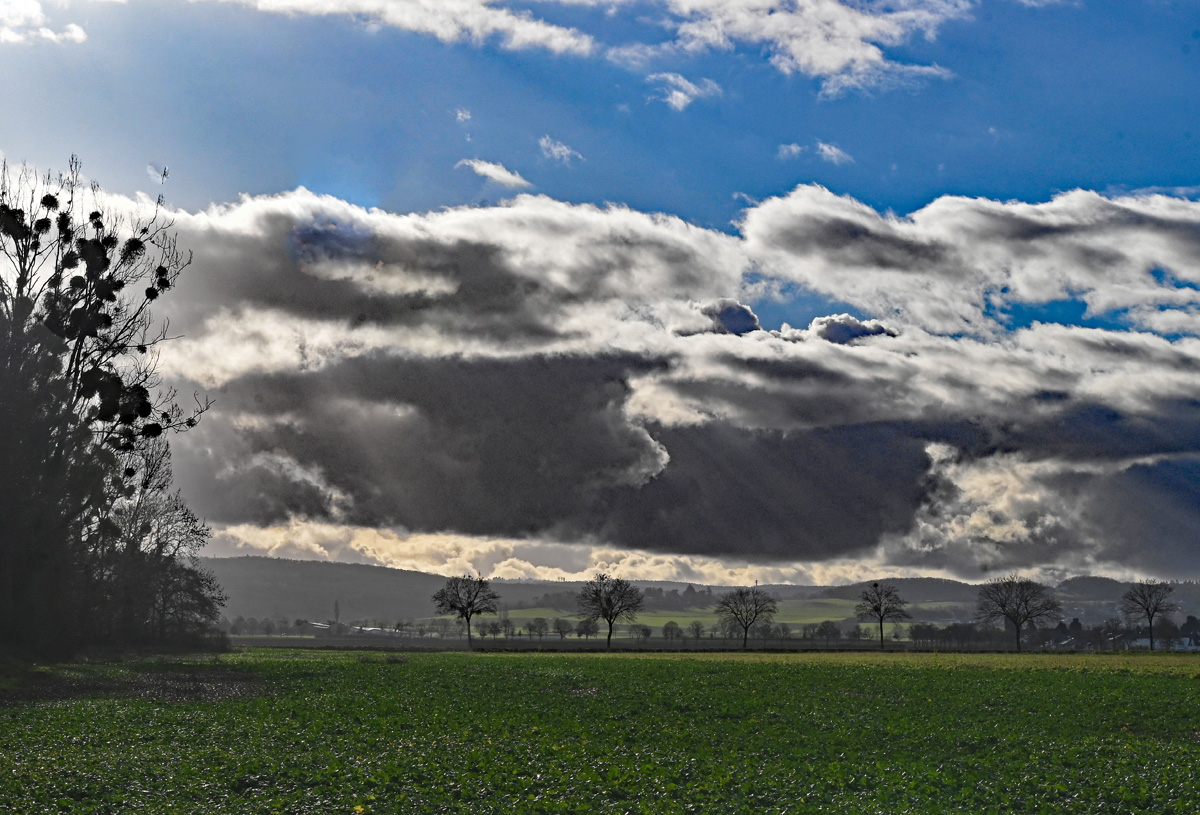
96	547
318	732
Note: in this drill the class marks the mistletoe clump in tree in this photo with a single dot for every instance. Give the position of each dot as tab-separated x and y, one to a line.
84	421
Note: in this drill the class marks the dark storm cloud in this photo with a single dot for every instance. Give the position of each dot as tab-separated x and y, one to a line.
1150	516
326	270
1090	432
774	496
483	447
731	317
843	328
583	374
507	272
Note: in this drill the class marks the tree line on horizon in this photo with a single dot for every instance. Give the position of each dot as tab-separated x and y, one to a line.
1020	604
96	546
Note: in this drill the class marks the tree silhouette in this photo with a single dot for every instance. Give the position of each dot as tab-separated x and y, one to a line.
882	603
827	630
465	597
80	401
144	562
745	607
1018	600
610	599
1148	599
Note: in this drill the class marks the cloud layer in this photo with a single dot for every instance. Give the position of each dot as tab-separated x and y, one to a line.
837	41
571	375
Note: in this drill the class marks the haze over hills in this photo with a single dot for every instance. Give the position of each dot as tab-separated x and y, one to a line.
279	589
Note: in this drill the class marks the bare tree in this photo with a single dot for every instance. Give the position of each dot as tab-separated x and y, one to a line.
538	626
611	599
1018	600
745	607
671	631
465	597
882	603
696	629
1148	599
562	627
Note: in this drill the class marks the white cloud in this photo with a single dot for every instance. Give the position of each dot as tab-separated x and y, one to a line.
833	154
679	92
495	172
787	151
448	20
836	41
25	21
462	115
840	42
556	150
956	265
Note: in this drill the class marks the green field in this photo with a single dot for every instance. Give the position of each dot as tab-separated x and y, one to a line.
306	731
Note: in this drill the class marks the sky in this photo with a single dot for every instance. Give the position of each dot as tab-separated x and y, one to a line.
707	290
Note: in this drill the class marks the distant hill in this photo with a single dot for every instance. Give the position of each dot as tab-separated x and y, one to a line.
1098	589
279	589
914	590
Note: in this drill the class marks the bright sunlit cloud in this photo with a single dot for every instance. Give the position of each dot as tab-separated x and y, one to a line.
495	172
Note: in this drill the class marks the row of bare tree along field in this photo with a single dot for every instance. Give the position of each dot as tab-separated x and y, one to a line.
1010	612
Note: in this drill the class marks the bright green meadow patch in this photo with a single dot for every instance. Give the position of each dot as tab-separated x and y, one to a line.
319	732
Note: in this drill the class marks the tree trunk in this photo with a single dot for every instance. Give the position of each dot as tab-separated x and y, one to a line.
8	616
880	633
608	644
745	635
469	643
1150	629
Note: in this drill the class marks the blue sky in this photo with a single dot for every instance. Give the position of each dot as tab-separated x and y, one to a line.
1035	101
903	181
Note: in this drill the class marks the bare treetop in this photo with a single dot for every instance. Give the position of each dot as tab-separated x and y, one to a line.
610	599
90	276
882	603
745	607
1018	600
465	597
1148	599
